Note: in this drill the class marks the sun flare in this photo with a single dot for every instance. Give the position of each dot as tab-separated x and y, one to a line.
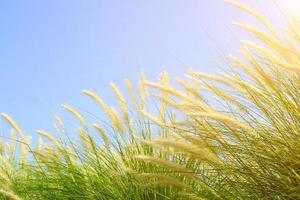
291	7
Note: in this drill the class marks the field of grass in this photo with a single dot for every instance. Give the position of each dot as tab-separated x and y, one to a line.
233	135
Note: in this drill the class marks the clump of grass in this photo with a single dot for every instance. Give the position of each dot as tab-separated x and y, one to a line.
103	165
253	130
244	144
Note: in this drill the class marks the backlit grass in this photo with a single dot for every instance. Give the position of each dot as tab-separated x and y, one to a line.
233	135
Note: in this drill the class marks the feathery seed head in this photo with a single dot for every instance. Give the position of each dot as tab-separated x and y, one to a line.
76	114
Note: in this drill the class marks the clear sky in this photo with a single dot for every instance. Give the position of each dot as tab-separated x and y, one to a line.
52	49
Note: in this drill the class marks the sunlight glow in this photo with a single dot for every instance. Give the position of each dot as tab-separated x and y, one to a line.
292	7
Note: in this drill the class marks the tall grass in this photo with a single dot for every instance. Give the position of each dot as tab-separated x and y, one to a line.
233	135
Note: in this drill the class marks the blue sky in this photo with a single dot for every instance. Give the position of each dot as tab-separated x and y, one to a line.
52	49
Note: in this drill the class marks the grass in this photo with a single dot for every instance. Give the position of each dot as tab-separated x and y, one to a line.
233	135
